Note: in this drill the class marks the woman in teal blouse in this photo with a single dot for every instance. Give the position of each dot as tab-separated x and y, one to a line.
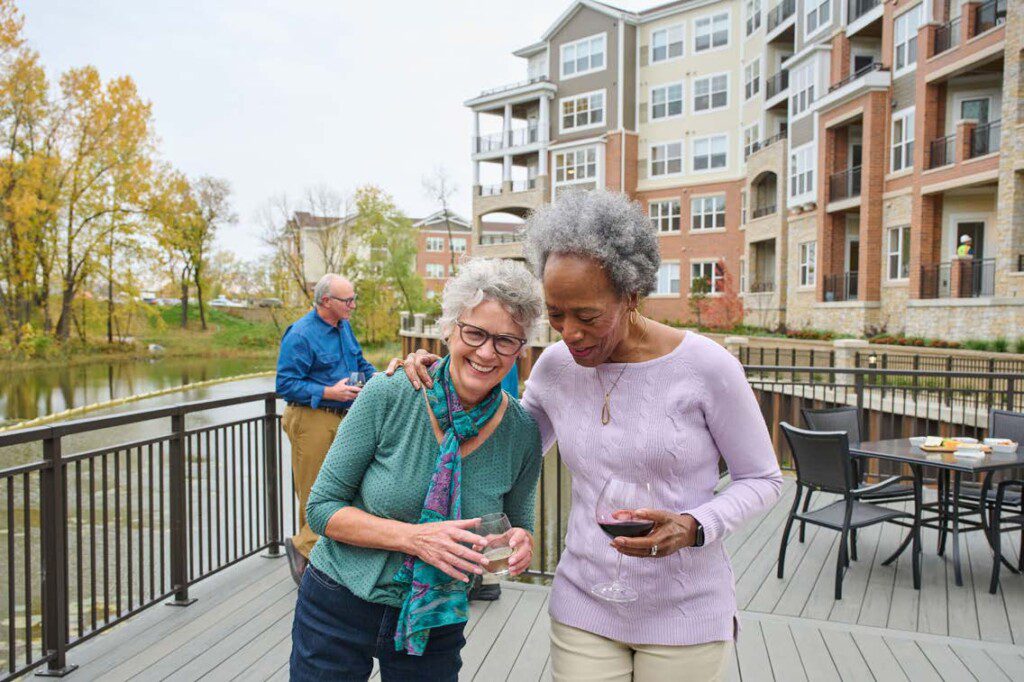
403	486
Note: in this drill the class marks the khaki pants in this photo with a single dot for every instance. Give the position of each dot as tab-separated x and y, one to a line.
579	655
311	433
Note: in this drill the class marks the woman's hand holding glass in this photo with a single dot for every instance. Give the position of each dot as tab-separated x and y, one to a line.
671	533
446	545
522	543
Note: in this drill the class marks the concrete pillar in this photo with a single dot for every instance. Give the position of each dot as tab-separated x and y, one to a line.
846	357
418	320
476	132
506	126
545	119
506	168
476	173
736	344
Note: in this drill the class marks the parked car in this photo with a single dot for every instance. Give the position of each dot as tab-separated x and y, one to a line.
270	303
225	302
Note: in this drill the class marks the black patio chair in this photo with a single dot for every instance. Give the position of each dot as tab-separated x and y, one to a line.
823	463
847	419
1003	499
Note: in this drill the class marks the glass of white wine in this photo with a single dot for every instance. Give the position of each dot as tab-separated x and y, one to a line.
496	529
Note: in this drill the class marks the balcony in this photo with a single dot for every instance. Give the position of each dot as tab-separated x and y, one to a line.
490	190
942	151
513	187
514	86
959	278
524	185
762	287
841	287
844	184
989	15
859	8
776	84
860	73
762	211
778	14
985	139
516	137
762	144
947	36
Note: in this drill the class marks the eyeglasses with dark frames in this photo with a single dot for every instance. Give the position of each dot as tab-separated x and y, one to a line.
350	301
504	344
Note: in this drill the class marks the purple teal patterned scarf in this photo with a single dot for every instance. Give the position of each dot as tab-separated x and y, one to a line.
434	599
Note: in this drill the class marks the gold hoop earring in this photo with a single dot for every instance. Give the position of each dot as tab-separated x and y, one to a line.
638	320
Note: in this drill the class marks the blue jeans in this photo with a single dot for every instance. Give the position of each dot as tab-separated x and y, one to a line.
336	635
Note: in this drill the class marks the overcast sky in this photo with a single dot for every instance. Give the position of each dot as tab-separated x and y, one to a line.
279	95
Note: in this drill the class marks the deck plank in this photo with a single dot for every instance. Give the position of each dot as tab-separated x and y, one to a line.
1011	664
782	652
847	656
814	655
498	662
993	623
241	659
879	658
753	655
486	632
979	663
267	664
951	668
874	609
913	661
854	586
529	664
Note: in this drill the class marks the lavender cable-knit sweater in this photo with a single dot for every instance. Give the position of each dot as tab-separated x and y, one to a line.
672	417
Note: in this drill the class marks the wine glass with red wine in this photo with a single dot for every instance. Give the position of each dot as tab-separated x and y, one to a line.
615	514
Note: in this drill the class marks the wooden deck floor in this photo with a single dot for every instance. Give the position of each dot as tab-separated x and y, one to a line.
792	629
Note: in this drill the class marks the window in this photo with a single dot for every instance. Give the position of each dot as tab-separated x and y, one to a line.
752	78
808	258
801	89
665	215
583	56
801	171
905	38
819	14
578	165
751	136
435	243
666	101
899	252
668	279
710	272
743	275
666	43
903	139
710	153
666	159
458	245
753	12
707	213
435	271
710	32
743	207
711	92
583	111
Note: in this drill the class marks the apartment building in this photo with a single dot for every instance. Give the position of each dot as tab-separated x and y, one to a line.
822	158
440	242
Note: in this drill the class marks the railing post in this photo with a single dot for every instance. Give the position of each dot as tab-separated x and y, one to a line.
858	388
179	513
53	512
271	480
1010	394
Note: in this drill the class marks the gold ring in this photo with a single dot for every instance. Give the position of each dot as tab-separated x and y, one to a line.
654	550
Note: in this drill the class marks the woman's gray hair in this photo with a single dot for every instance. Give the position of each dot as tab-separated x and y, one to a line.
485	279
605	226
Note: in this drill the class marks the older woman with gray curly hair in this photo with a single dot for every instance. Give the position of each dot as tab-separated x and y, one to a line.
638	406
399	499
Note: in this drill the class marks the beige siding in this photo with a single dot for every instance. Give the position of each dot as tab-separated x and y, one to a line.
586	22
801	131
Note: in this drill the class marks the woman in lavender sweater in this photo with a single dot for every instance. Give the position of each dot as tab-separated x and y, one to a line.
676	402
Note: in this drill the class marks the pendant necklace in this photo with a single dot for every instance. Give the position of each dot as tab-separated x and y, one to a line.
606	412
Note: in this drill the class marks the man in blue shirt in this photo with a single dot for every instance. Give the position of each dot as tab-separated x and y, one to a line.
319	353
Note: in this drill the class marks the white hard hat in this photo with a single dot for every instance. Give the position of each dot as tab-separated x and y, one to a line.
965	238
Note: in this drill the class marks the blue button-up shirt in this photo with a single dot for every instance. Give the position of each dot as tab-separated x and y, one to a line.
315	355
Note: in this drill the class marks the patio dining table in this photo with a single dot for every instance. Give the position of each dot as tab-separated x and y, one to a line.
948	510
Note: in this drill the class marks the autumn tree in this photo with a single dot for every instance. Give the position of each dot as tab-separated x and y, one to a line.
174	209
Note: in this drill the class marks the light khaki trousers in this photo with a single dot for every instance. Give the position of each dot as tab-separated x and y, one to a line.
311	433
581	656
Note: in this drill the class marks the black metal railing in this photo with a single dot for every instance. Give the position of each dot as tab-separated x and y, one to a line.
94	537
874	358
975	278
840	287
942	151
947	36
859	8
762	211
989	15
859	73
764	144
778	14
985	139
935	280
762	287
844	184
776	83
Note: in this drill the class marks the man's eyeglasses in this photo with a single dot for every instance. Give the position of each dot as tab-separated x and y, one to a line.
504	344
350	301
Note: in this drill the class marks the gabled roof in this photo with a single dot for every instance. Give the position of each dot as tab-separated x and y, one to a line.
307	221
601	7
437	218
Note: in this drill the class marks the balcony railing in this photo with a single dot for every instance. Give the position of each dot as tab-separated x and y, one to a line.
762	211
859	73
490	190
516	137
524	185
513	86
859	8
985	139
941	151
780	13
841	287
776	84
947	36
762	287
844	184
976	279
763	144
989	15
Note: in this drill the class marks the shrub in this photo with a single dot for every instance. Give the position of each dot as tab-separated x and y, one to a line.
1019	346
1000	345
976	344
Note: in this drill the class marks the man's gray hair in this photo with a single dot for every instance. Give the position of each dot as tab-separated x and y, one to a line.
605	226
486	279
323	288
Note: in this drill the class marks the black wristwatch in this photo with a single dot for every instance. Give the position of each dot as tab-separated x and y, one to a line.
698	535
